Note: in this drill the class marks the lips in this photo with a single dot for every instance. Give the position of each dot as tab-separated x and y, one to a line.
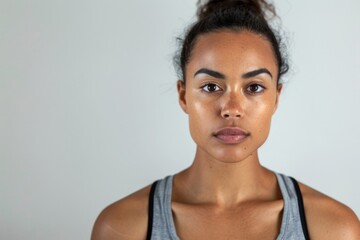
231	135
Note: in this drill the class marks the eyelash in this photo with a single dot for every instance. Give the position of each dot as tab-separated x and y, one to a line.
210	84
262	88
256	92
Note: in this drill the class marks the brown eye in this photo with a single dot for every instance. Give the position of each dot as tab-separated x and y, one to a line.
210	87
255	88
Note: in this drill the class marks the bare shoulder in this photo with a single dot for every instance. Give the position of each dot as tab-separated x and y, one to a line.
328	218
124	219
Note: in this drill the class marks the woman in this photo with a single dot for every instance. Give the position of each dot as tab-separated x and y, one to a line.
231	66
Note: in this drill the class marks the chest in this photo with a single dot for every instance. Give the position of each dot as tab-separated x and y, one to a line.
249	221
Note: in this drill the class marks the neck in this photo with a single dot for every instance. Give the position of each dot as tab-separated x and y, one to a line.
225	184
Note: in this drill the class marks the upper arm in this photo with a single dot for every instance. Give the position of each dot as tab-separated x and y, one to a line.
351	230
350	227
328	218
344	225
125	219
107	227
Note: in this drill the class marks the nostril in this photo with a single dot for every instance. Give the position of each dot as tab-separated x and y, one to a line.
227	115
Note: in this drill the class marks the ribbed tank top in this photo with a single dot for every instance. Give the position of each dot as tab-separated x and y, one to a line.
161	224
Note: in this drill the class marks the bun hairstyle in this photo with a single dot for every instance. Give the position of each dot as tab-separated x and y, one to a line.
207	7
235	15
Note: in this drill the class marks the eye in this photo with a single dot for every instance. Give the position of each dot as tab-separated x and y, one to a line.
210	87
255	88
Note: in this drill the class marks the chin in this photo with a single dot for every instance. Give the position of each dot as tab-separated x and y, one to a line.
232	155
229	160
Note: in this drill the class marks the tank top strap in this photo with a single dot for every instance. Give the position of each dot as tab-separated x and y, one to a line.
301	208
162	224
293	224
151	210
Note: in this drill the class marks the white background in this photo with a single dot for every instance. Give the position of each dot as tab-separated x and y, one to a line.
89	112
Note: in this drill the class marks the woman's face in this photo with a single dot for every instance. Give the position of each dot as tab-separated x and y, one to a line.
231	94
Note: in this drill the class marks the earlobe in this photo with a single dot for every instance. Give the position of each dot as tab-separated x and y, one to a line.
182	93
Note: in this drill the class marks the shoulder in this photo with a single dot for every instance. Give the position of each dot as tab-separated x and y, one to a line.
124	219
328	218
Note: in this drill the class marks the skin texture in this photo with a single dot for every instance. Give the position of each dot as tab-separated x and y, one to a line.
226	193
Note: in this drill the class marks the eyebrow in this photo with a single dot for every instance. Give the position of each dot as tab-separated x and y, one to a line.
220	75
209	72
257	72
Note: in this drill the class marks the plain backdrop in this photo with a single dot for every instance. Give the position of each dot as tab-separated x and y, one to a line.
89	111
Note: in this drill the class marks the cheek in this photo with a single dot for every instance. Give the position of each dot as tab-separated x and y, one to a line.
200	116
262	115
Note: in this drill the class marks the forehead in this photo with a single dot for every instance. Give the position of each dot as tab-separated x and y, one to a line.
226	50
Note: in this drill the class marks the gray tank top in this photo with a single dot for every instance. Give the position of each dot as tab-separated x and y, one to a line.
161	224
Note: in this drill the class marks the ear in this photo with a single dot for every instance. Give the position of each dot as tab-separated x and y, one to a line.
182	93
278	92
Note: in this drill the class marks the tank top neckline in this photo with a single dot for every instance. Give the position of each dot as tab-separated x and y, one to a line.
283	190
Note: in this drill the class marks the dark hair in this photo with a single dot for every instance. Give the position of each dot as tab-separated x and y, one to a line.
236	15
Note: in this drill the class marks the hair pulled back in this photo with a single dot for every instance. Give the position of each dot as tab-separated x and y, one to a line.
236	15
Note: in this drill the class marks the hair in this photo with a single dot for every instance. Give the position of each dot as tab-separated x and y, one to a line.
234	15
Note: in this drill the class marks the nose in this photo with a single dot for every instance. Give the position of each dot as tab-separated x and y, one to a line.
232	106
